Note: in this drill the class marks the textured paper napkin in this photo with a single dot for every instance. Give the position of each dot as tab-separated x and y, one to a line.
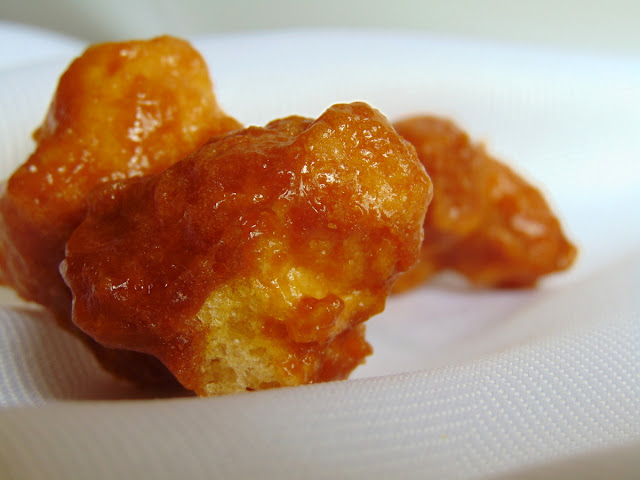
573	393
463	384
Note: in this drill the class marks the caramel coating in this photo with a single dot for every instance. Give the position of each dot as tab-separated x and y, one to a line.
254	262
120	110
485	221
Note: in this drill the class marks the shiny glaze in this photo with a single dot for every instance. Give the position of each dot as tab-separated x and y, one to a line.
120	110
294	232
485	222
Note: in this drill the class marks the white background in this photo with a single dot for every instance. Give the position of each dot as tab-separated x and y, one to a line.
603	26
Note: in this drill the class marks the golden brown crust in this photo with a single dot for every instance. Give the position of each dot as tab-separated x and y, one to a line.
120	110
253	262
485	221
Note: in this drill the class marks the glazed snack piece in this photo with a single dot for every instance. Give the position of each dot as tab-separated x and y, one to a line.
254	262
485	221
120	110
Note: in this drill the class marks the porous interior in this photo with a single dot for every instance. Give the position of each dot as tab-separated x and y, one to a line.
250	344
238	356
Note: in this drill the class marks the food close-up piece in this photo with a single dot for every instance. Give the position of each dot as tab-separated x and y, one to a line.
254	262
120	110
485	222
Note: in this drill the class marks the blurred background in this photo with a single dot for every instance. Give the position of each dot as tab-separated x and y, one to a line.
593	25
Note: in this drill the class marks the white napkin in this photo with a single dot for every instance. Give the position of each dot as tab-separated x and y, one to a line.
462	384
